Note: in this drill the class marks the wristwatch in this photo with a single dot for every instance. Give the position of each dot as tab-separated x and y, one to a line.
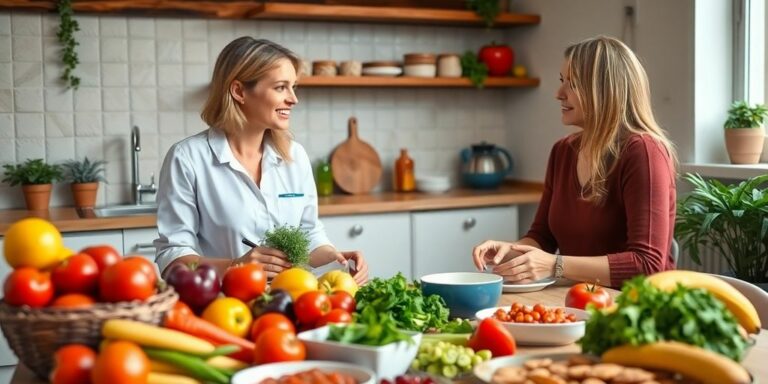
559	266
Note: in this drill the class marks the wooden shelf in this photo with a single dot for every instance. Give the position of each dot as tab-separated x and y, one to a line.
283	11
408	82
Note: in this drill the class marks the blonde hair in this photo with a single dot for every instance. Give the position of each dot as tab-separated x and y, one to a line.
247	60
612	89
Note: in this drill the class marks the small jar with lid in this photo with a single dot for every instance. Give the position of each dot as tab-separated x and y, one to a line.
448	65
351	68
420	65
324	68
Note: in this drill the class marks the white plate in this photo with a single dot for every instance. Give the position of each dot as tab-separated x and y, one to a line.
484	371
542	334
531	287
382	71
255	375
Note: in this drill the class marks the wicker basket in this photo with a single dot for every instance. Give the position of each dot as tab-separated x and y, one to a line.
35	334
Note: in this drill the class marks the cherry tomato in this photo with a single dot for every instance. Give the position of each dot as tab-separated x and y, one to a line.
335	316
103	255
343	300
77	274
126	281
72	364
270	320
73	300
582	294
491	335
121	362
311	306
245	282
28	286
275	345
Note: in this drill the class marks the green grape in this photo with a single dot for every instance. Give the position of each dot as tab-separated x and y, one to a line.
464	361
450	371
485	354
450	356
434	369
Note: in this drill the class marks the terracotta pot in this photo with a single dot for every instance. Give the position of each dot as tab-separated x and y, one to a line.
744	144
84	194
37	196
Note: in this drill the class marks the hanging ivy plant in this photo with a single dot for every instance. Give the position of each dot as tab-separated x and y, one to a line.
66	34
487	9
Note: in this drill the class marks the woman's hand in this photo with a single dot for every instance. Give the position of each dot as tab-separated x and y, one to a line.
273	260
530	265
360	272
492	252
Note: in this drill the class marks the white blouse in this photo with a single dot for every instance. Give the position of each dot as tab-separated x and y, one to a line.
207	202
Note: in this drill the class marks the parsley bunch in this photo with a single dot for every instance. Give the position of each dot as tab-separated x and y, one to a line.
646	314
293	241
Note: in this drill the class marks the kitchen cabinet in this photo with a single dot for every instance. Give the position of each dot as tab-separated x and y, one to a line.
384	240
443	240
7	358
139	241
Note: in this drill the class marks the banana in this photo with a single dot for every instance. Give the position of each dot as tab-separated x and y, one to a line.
735	301
691	361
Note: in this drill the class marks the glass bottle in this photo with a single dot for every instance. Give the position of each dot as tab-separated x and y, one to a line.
404	178
324	178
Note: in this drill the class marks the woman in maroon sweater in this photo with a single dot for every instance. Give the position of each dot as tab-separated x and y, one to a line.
608	205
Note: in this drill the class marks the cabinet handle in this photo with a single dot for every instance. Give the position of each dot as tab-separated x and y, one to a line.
144	246
469	223
356	230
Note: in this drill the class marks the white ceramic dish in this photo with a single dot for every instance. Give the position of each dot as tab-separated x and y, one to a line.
433	184
255	375
531	287
539	334
386	361
420	70
484	371
382	71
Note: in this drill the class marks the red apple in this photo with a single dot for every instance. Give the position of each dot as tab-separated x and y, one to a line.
498	58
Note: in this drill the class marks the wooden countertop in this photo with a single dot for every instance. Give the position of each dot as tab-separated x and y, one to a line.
555	296
68	219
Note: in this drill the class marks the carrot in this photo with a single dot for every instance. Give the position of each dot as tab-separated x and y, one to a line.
181	318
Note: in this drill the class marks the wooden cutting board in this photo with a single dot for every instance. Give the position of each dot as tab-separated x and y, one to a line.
355	164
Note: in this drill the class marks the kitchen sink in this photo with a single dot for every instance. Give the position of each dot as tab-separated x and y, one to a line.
125	210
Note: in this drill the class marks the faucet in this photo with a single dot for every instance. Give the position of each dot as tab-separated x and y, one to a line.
138	189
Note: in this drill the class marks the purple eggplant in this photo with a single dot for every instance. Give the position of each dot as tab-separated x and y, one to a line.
276	301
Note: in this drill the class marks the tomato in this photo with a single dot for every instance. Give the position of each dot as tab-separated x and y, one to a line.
76	274
582	294
125	281
32	242
73	300
28	286
245	282
72	364
498	58
121	362
270	320
146	266
335	316
103	255
343	300
276	345
491	334
311	306
229	314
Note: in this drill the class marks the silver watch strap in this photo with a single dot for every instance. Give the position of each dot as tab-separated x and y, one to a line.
559	266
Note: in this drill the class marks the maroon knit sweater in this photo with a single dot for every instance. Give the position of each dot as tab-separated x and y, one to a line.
633	226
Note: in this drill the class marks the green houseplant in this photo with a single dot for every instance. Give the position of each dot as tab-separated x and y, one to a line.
36	178
744	132
732	219
85	176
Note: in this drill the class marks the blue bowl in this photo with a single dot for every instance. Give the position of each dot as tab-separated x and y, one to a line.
465	293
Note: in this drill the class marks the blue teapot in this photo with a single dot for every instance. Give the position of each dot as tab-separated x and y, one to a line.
485	165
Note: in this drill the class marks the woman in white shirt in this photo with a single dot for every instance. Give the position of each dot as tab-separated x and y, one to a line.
244	175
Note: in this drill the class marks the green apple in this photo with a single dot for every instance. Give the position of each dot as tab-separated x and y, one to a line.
337	280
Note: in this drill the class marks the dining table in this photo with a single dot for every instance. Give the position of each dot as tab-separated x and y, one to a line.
756	360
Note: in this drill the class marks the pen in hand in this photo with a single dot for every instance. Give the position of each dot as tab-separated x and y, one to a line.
249	243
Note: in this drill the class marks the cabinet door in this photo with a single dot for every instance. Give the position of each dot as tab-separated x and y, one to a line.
443	240
6	355
385	240
138	241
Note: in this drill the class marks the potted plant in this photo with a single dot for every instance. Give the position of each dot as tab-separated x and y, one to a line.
732	220
84	176
36	178
744	132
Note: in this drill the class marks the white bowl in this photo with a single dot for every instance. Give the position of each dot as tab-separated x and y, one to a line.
255	375
540	334
433	184
386	361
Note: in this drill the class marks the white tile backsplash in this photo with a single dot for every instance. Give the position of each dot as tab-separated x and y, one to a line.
88	124
146	121
141	27
195	52
114	50
6	75
5	24
89	26
170	75
89	74
115	99
144	99
168	28
141	50
143	74
5	48
59	125
6	126
114	74
116	123
58	100
88	49
169	51
195	29
6	100
89	146
112	26
29	148
88	99
28	99
27	74
196	75
7	156
59	149
27	48
26	24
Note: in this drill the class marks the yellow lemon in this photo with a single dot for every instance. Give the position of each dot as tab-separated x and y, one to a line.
32	242
519	71
296	281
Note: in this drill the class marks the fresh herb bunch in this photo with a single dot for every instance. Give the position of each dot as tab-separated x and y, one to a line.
293	241
741	115
403	302
473	68
646	314
84	171
369	328
31	172
66	34
487	9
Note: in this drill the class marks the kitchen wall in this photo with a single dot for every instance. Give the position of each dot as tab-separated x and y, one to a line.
152	72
